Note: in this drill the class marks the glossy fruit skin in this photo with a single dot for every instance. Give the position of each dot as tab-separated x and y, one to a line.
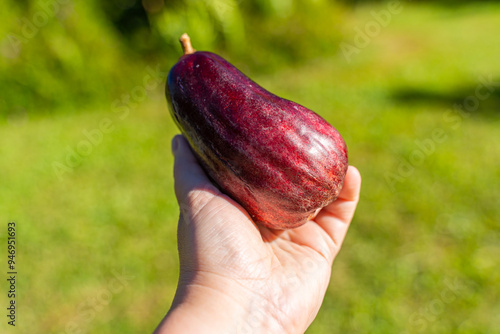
277	159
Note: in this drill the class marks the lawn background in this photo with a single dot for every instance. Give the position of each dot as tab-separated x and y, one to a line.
86	173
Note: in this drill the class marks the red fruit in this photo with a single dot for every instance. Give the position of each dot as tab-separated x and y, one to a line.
279	160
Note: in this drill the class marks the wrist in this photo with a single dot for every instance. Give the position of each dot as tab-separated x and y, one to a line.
218	305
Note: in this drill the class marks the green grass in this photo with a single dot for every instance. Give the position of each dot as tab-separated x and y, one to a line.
420	256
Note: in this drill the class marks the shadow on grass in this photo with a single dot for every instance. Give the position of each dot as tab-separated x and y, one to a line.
480	103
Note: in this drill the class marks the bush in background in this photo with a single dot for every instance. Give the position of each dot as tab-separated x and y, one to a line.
64	55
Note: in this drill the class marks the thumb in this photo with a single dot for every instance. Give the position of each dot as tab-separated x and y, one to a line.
215	234
193	191
189	177
203	206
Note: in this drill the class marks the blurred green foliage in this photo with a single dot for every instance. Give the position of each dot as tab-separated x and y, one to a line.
57	56
83	89
65	55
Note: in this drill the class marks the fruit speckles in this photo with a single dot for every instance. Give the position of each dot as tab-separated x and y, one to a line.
278	159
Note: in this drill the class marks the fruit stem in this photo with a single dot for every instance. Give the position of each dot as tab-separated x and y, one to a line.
186	44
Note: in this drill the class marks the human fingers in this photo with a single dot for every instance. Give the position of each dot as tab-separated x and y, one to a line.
335	218
191	181
200	201
214	232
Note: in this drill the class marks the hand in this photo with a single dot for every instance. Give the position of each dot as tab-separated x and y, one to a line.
237	277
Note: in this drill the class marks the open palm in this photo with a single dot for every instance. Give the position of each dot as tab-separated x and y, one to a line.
277	278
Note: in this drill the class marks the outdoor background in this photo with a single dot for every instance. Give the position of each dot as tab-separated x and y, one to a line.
86	167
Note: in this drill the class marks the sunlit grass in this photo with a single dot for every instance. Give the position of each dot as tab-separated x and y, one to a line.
419	255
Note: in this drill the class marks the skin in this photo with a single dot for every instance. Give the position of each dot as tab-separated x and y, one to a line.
237	277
